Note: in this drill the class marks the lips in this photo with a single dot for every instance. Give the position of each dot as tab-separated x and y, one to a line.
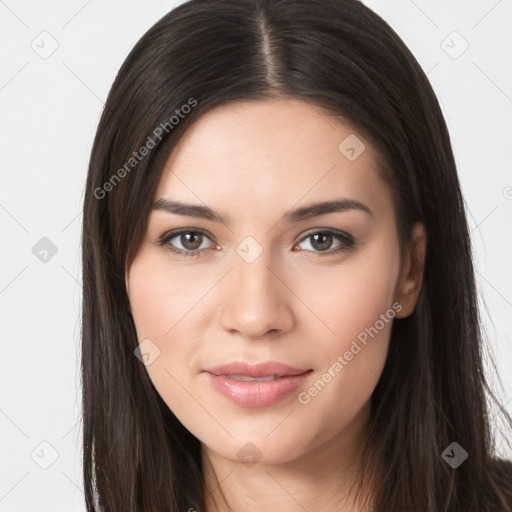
256	385
267	369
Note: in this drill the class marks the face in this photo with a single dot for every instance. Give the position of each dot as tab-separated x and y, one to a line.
316	290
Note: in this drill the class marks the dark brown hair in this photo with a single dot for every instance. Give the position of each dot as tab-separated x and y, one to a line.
343	58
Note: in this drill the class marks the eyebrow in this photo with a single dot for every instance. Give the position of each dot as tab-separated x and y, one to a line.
302	213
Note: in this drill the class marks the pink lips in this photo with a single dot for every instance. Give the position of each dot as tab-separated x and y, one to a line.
275	381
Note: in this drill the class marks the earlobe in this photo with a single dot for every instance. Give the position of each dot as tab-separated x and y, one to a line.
411	280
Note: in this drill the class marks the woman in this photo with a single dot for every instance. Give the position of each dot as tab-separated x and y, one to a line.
279	301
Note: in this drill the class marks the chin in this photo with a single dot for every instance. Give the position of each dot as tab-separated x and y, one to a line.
268	449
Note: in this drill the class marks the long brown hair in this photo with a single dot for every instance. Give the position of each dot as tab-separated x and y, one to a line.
343	58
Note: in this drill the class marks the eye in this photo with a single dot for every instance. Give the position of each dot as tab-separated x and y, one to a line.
321	241
192	242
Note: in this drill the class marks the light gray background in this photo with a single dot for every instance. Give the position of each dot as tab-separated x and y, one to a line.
49	109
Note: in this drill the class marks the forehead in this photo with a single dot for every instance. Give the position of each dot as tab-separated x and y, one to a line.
271	152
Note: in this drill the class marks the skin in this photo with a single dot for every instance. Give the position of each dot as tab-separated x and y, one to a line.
253	162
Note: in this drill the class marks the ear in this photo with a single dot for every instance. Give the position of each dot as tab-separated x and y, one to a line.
411	278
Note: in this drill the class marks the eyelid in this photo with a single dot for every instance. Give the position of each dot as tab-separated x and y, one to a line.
338	232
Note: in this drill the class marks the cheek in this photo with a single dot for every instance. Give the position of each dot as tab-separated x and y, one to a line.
349	298
163	302
353	354
161	296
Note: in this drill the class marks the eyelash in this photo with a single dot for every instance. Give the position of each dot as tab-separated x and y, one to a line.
348	242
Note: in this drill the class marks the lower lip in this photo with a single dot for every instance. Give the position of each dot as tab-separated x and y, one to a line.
254	393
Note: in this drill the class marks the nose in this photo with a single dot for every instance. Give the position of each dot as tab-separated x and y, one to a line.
256	301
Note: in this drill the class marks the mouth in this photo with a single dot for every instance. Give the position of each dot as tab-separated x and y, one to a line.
257	385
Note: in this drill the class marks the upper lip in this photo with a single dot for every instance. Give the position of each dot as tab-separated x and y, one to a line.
257	370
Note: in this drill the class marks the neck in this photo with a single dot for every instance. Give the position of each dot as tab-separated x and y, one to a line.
324	478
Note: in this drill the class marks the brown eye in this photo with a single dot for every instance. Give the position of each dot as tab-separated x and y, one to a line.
322	241
191	241
185	242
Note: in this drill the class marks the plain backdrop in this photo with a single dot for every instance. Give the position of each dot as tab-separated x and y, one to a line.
58	61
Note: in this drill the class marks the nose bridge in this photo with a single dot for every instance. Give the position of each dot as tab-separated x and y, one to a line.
257	301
